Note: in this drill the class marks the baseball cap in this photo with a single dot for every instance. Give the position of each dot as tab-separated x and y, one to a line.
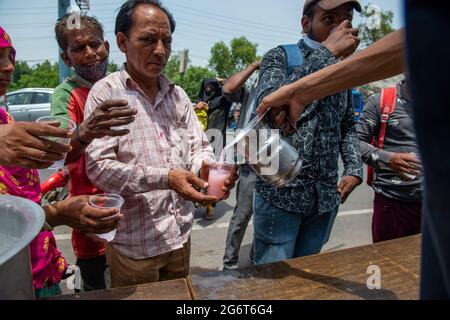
329	4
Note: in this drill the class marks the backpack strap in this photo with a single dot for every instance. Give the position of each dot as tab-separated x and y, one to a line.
294	56
387	104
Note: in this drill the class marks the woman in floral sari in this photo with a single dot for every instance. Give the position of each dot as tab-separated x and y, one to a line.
48	266
47	263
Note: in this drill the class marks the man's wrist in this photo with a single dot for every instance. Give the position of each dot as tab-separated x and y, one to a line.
78	136
51	216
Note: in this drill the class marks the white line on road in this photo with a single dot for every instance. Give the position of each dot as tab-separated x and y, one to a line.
224	225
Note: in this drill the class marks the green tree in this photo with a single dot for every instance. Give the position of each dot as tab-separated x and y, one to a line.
42	75
112	67
191	80
226	61
375	24
21	68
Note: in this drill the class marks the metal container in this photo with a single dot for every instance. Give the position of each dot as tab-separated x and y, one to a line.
20	222
269	155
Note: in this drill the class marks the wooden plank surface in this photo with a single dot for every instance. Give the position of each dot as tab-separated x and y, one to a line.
338	275
170	290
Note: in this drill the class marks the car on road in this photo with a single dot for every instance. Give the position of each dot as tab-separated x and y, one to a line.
28	104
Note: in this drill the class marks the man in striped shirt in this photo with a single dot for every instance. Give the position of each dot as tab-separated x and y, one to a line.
154	167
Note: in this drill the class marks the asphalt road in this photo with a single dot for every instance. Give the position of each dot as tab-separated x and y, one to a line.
352	228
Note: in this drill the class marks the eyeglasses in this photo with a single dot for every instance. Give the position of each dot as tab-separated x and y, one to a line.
310	6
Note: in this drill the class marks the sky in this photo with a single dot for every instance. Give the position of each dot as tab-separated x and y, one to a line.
200	24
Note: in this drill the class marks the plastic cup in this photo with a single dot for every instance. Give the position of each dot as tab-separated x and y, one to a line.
218	173
128	95
107	201
65	123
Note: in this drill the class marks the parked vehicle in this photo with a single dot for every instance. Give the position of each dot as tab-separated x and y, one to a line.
28	104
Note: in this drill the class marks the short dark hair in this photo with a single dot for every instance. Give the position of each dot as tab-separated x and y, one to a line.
311	12
124	20
62	28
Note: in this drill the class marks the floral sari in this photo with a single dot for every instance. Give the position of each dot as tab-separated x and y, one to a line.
47	263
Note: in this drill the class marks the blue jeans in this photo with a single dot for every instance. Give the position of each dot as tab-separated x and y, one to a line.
282	235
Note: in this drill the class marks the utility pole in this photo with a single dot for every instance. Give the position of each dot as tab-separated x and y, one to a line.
76	7
184	60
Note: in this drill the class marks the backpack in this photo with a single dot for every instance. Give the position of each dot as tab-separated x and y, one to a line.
387	104
294	59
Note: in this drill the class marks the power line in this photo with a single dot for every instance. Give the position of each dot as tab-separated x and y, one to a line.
229	31
233	19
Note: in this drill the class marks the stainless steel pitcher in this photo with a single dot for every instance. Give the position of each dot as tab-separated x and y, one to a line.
268	153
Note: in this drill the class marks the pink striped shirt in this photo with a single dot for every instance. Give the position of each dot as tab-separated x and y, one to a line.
166	135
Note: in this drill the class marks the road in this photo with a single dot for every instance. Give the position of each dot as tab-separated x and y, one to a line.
352	228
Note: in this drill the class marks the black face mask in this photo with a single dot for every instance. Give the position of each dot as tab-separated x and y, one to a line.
93	73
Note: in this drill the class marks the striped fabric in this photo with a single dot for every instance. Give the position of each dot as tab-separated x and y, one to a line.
166	135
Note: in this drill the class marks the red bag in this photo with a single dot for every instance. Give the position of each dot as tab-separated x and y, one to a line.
387	104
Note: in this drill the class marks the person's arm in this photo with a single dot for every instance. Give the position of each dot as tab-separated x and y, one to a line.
97	125
77	213
384	59
21	145
349	144
233	87
350	153
110	175
368	128
273	72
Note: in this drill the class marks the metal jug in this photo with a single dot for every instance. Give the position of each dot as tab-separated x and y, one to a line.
268	153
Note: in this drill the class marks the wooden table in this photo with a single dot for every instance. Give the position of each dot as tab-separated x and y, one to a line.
170	290
341	275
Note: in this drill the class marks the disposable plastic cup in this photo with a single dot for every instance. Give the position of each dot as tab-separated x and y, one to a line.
107	201
128	95
218	173
65	123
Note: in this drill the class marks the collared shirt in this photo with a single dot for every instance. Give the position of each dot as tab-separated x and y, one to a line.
166	135
400	138
325	130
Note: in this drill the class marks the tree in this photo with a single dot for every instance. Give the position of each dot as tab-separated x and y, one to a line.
226	61
112	67
191	80
376	24
42	75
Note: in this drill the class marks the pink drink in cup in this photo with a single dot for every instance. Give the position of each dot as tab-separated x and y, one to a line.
218	173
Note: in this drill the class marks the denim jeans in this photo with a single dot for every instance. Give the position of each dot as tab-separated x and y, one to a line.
281	235
241	217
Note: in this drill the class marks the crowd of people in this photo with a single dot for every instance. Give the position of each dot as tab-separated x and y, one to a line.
159	161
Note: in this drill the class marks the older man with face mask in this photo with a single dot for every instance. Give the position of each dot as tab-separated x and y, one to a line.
154	167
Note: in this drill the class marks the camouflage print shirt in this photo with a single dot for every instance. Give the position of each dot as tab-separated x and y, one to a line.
325	130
